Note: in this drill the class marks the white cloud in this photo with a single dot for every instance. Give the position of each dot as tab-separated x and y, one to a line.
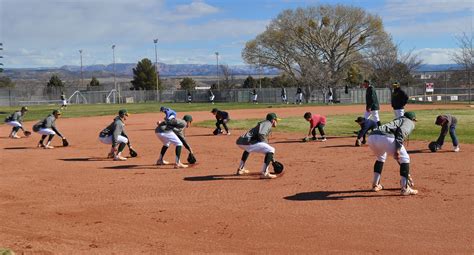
435	56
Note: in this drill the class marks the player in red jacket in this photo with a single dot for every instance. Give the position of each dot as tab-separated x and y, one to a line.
315	121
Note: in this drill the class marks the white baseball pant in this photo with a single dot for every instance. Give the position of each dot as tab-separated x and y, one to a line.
46	131
399	113
168	138
14	123
381	145
260	147
374	114
108	139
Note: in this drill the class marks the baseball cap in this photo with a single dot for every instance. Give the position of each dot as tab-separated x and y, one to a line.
359	119
272	116
123	112
162	109
214	110
396	84
58	112
188	118
410	115
24	109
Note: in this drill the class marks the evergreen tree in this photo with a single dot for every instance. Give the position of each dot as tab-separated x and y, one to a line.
94	82
187	84
249	82
144	76
55	82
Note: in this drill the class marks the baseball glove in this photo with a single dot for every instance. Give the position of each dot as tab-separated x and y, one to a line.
65	142
27	133
306	139
433	146
191	158
133	153
277	167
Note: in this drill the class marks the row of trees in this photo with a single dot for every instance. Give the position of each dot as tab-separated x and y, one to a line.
56	82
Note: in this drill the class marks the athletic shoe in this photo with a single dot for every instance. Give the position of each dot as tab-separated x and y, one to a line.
40	145
456	148
242	171
15	137
228	133
162	162
110	155
180	165
323	139
314	138
267	176
377	187
119	158
408	191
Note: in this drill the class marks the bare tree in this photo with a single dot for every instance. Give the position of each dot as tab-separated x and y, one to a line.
229	79
315	45
465	55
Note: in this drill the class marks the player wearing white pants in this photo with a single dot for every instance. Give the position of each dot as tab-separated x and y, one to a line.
372	106
47	128
398	113
388	140
399	100
15	121
256	141
166	133
115	135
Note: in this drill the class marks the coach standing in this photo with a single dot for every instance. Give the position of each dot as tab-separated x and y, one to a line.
399	100
371	103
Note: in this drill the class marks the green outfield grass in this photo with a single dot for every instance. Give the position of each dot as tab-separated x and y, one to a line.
84	110
339	125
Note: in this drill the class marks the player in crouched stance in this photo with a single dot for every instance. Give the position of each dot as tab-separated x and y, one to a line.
256	140
389	138
166	133
115	134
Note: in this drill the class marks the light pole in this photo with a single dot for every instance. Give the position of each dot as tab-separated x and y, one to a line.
113	61
217	68
156	68
82	75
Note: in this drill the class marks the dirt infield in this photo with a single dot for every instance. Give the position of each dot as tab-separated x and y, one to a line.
74	201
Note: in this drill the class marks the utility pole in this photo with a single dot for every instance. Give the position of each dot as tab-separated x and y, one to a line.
82	75
1	64
156	69
217	68
113	61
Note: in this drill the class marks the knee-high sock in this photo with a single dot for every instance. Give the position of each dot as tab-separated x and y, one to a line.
42	138
178	153
50	138
266	163
163	152
121	147
404	172
378	167
245	156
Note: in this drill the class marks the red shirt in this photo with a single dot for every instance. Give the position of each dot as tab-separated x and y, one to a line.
316	120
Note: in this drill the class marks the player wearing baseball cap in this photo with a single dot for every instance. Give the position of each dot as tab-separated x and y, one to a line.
16	121
166	133
256	140
47	127
399	100
389	139
169	113
365	126
222	118
115	135
371	102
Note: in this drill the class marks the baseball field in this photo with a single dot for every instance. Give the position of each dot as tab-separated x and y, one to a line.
73	200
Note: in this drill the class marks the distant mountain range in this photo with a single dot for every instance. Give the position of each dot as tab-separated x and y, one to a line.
126	70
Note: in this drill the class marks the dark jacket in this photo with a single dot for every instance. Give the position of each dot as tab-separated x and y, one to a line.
371	100
399	99
367	125
222	115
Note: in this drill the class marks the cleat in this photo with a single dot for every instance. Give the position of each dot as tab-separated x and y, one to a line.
242	171
228	133
162	162
408	191
48	147
119	158
180	165
456	148
268	176
377	187
40	145
314	138
110	155
323	139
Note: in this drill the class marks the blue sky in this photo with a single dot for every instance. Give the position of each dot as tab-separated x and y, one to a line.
46	33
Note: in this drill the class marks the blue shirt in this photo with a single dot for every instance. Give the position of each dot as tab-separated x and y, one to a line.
367	125
168	113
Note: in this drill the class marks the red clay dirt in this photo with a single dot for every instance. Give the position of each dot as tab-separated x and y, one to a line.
74	201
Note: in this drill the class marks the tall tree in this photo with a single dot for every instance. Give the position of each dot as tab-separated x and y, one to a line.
6	82
315	45
144	76
94	82
249	82
465	55
187	84
55	82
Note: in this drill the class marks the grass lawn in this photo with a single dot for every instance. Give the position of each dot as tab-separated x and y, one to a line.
338	125
84	110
